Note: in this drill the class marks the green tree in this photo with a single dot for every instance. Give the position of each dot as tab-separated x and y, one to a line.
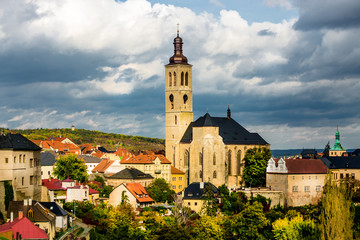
208	228
160	190
100	180
209	201
248	224
327	149
337	216
295	228
70	167
256	160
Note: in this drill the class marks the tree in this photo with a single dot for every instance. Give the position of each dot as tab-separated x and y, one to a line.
160	190
208	228
256	160
327	149
72	167
249	224
209	207
337	217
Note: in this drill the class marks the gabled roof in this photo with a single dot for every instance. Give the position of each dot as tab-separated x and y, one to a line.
137	190
54	208
196	191
93	191
90	158
47	159
343	162
174	170
25	227
53	184
122	152
131	173
40	213
102	166
17	142
305	166
145	159
231	131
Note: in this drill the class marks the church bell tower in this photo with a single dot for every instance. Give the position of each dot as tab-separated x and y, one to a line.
178	100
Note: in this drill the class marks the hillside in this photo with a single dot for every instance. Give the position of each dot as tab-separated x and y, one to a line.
110	141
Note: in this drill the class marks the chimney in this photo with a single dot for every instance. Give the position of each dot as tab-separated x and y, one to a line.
11	216
30	202
201	185
25	202
228	112
20	215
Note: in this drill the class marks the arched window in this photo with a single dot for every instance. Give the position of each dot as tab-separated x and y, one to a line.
182	78
171	98
170	79
200	158
229	161
214	174
214	159
174	79
201	174
186	158
186	79
238	162
175	119
185	97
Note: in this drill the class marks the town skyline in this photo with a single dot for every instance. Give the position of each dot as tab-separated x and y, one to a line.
288	69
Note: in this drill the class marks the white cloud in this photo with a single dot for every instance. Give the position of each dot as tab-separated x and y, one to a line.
282	3
217	3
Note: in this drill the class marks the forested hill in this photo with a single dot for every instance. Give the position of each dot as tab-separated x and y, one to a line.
110	141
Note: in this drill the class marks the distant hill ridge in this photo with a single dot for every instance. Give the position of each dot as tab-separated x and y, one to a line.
110	141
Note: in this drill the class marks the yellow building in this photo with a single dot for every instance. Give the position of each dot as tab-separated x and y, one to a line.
210	149
193	195
177	179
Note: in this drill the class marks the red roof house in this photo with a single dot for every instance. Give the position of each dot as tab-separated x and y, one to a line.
23	227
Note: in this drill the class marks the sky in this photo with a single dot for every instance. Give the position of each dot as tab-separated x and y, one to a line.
289	70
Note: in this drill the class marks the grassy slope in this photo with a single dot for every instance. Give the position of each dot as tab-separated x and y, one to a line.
110	141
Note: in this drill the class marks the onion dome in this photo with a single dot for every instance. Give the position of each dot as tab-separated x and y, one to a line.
178	57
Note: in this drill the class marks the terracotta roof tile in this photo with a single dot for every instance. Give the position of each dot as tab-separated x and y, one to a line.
103	165
174	170
25	227
146	159
138	190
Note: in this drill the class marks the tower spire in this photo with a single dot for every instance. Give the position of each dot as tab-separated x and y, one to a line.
178	57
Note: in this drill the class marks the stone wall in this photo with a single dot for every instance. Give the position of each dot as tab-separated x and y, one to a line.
276	197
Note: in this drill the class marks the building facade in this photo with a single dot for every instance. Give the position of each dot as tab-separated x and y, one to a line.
210	148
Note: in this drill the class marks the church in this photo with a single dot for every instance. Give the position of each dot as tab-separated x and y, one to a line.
210	149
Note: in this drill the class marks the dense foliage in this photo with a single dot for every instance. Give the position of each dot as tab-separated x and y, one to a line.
110	141
160	190
256	160
72	167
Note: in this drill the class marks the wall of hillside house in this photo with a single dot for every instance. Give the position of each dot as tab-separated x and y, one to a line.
157	169
116	194
23	169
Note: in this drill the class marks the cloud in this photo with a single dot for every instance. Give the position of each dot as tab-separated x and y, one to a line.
217	3
99	65
282	3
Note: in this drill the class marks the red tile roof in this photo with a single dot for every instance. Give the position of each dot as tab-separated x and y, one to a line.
53	184
174	170
309	166
138	190
24	227
146	159
93	191
102	166
123	153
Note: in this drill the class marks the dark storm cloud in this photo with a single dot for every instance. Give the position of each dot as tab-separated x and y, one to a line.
327	14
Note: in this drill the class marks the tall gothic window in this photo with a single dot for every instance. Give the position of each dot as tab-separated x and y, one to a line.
238	160
175	119
174	79
170	79
200	158
186	79
214	159
186	158
201	174
171	98
229	161
214	174
182	78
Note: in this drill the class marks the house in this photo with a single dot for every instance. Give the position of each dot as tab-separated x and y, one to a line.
123	153
193	195
87	148
22	228
102	167
129	175
135	193
301	180
90	161
60	146
343	167
53	190
19	167
209	148
177	179
94	196
36	213
47	165
156	165
77	193
309	153
61	215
